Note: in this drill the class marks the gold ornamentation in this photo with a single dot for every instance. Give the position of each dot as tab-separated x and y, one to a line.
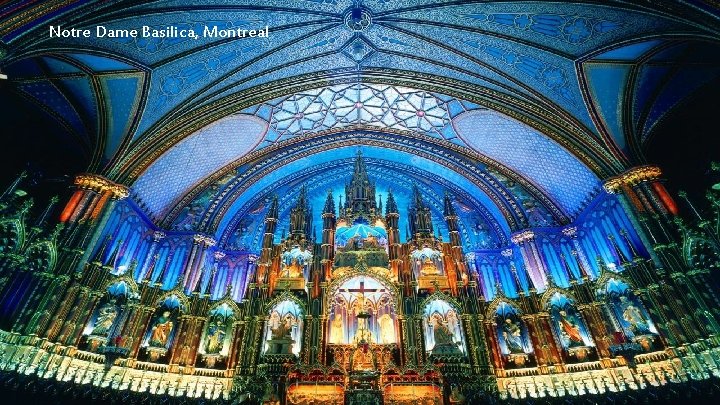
101	185
632	177
523	236
204	239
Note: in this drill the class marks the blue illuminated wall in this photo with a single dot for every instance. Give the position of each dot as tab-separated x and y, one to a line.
128	243
604	234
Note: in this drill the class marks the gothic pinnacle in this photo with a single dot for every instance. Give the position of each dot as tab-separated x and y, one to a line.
390	205
449	210
329	204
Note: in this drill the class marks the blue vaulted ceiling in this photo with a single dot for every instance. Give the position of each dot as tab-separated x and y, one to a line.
509	145
580	84
634	86
97	99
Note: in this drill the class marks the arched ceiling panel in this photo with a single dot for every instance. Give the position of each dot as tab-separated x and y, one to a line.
81	87
536	157
686	81
195	158
630	52
174	83
58	67
100	63
633	86
607	88
96	97
380	106
122	106
396	108
46	94
525	49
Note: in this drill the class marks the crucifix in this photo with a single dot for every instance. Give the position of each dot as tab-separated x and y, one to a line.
363	333
362	290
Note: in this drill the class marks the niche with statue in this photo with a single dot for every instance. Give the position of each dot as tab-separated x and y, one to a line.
107	319
215	343
159	337
283	331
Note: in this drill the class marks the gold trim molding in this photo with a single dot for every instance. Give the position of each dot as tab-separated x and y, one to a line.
632	177
101	185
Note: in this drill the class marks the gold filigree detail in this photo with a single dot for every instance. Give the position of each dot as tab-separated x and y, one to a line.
632	177
101	185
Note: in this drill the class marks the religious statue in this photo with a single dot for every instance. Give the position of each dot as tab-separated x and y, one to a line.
442	334
337	330
294	262
294	270
274	320
280	340
215	337
363	332
387	329
185	355
569	330
633	316
428	268
512	334
161	330
282	330
106	318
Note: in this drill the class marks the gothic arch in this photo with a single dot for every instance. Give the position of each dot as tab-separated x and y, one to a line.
283	296
382	279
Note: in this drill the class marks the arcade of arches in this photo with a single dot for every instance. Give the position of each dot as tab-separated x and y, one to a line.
380	202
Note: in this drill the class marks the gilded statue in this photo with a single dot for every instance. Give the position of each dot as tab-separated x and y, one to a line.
428	268
363	332
215	337
106	318
512	334
294	270
161	330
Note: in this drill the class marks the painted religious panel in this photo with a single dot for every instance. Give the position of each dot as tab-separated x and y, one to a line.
512	335
631	315
215	344
103	324
161	332
569	327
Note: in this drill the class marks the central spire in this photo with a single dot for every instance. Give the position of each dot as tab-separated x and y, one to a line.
360	199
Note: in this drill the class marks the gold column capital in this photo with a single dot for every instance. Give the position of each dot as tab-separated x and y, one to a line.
100	184
204	239
632	177
522	236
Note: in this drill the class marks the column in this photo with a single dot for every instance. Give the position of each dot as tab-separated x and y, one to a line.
91	204
531	257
